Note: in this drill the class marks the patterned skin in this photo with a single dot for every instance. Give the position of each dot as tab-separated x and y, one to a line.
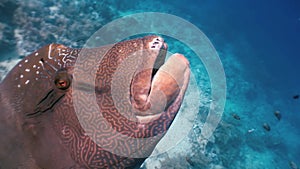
48	120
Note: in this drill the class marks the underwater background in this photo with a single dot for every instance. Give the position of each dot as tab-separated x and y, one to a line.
259	46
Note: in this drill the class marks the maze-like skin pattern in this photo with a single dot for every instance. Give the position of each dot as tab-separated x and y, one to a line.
54	134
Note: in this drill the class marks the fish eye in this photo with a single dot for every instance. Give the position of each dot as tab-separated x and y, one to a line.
62	79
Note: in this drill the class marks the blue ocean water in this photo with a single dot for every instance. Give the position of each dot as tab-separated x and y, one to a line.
259	46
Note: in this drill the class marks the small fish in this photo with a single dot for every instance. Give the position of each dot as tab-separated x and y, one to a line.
296	96
266	127
237	117
277	114
293	165
251	130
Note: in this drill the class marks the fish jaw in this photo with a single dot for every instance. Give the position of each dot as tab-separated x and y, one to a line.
167	87
151	58
156	85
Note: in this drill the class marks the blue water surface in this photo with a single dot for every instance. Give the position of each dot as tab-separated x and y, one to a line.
258	43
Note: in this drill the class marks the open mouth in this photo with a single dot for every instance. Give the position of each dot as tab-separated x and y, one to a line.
158	84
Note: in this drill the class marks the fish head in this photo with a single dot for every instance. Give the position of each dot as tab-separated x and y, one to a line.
97	107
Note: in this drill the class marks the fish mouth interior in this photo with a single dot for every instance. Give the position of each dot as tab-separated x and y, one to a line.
154	71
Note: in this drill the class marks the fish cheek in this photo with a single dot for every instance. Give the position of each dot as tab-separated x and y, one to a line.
41	135
44	144
39	121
